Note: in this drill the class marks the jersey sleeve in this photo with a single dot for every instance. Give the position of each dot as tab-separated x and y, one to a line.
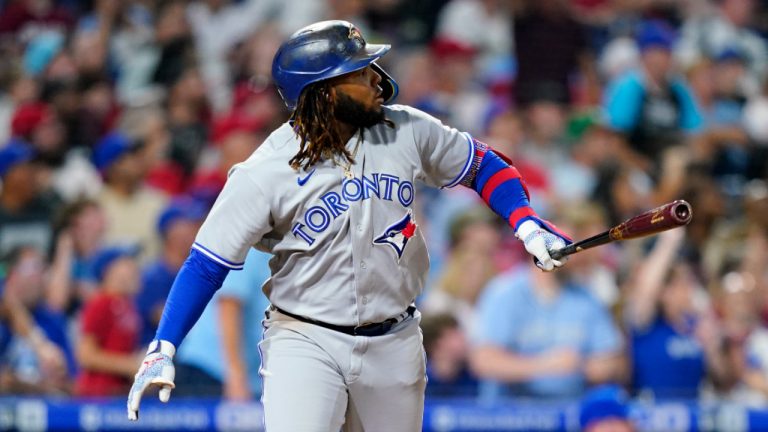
445	153
239	218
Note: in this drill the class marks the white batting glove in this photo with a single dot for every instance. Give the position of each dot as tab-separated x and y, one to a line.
156	368
539	243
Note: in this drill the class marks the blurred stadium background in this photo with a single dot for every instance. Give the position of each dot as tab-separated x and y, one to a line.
120	119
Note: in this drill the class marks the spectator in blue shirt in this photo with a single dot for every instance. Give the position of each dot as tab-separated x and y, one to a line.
177	225
220	356
673	346
541	335
651	107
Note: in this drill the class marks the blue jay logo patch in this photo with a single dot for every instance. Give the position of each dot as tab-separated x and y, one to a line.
397	234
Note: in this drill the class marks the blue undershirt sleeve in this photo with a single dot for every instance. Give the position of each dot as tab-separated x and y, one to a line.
197	281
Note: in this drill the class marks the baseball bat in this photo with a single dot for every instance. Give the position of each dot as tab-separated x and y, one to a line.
668	216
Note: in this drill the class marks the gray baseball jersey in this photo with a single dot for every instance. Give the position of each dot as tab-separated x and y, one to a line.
347	251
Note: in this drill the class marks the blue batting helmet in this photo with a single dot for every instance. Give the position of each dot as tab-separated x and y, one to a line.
324	50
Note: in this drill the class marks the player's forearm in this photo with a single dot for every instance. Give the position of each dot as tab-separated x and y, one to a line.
197	281
502	188
496	363
499	184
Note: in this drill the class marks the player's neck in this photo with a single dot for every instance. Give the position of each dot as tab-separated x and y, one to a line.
346	131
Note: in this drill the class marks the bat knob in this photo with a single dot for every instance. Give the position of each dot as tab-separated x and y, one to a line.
682	212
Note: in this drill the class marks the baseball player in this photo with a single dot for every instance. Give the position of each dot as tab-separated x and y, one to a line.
330	193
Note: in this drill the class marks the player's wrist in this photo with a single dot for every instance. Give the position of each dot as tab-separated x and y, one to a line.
162	347
526	228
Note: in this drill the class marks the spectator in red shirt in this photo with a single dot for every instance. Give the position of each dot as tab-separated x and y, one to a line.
107	350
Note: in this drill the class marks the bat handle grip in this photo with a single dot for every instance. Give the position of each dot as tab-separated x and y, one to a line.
559	253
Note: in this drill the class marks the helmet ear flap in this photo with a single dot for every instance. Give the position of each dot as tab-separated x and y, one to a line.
388	84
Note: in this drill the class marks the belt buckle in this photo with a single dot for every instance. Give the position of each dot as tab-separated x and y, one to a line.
374	329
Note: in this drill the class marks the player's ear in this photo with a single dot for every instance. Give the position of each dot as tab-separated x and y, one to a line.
332	93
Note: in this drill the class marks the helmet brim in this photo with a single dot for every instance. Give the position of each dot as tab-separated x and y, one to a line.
366	56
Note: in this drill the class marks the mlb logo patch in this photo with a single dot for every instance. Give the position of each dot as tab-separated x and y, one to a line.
397	234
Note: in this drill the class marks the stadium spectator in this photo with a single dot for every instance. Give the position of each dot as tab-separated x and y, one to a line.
707	35
474	243
447	351
675	343
235	140
26	19
651	108
108	348
217	26
460	19
188	118
81	226
605	409
541	335
458	97
744	338
25	216
220	355
177	226
42	362
131	207
551	47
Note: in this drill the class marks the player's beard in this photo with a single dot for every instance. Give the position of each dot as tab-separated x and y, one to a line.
356	114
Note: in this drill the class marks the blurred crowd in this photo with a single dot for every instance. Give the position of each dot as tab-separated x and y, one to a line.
120	119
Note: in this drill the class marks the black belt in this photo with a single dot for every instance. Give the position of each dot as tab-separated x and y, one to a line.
373	329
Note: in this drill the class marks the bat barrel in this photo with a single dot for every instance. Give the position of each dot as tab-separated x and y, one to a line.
681	212
671	215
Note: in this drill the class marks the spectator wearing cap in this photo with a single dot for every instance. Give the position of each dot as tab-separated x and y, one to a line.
651	108
39	125
458	98
25	216
460	19
131	207
110	326
177	226
724	146
26	19
605	409
706	36
235	139
68	173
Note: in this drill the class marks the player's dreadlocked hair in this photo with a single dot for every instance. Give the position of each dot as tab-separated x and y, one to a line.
317	127
316	123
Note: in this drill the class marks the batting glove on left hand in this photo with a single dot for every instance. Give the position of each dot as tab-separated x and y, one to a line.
539	243
157	368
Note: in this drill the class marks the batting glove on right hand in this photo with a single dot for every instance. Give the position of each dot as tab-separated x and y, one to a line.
539	243
156	368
